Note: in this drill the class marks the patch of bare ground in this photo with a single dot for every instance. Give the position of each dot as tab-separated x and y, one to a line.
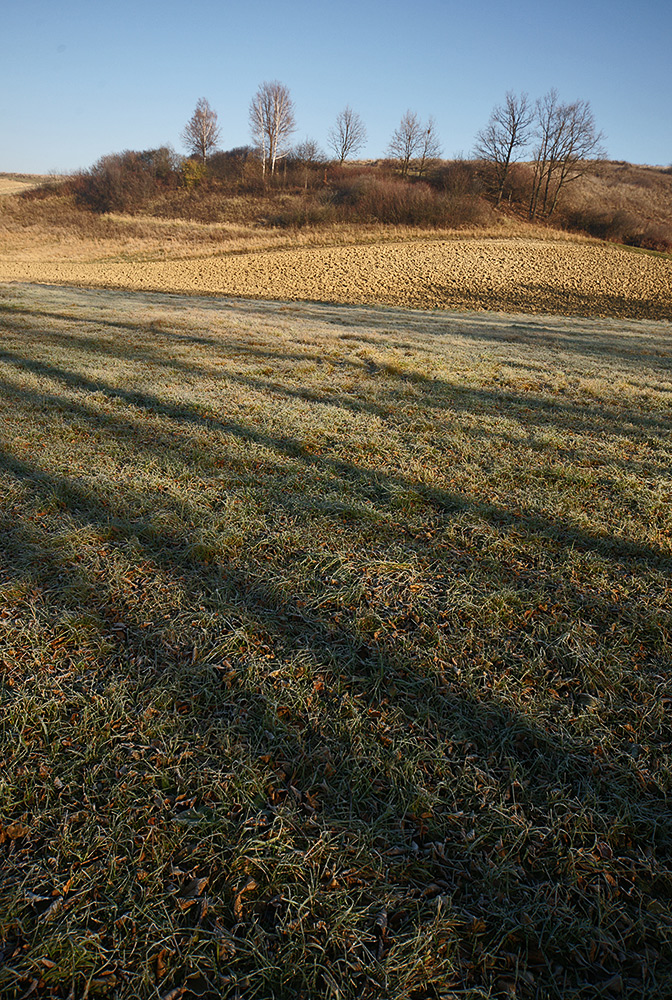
503	273
510	266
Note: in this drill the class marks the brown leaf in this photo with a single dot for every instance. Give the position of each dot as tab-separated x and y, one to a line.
226	949
194	888
174	994
161	962
184	904
16	830
238	901
106	983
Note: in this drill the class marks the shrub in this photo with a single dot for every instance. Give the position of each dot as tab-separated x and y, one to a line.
48	188
229	166
397	202
619	226
124	182
652	237
458	177
615	224
304	213
192	174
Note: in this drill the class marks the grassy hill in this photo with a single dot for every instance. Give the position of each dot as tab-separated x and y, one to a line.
335	652
356	234
615	201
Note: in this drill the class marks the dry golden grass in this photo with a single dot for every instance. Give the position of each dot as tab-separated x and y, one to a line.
510	266
644	191
16	183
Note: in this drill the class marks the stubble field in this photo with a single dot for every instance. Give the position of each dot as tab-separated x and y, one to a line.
335	646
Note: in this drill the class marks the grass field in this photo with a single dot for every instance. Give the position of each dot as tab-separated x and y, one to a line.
335	651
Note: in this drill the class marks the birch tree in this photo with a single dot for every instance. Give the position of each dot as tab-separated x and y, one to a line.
272	123
201	133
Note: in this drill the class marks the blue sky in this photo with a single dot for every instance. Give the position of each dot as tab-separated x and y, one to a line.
82	78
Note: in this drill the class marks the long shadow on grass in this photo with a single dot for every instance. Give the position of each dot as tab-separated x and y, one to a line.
480	777
373	483
443	795
164	546
528	408
530	411
583	336
320	495
157	358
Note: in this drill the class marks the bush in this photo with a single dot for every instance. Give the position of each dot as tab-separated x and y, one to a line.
652	237
459	177
304	213
616	225
404	203
230	166
124	182
192	174
49	188
619	226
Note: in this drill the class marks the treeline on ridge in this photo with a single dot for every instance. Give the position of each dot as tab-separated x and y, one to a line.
564	182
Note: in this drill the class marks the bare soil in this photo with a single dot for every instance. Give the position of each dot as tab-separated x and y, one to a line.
512	274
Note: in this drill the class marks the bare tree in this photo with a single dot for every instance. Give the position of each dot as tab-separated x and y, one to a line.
507	132
309	155
271	122
406	141
348	134
308	152
566	140
201	133
430	146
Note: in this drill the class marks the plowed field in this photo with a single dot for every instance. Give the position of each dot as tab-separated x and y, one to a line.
519	275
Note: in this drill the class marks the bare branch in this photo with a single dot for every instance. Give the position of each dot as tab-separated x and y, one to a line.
348	134
201	133
430	146
406	140
507	132
567	138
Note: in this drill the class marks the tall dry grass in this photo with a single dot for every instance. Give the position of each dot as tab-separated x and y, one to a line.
612	201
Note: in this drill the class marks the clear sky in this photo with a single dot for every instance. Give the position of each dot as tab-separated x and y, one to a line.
82	78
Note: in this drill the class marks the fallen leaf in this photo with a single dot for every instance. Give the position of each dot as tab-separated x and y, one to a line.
16	830
174	994
238	900
194	888
161	962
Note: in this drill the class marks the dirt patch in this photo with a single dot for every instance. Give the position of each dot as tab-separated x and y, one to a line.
519	275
